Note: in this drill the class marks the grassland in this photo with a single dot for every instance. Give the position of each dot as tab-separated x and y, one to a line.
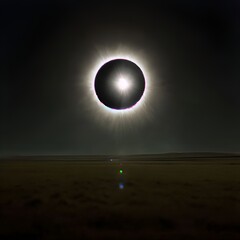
55	199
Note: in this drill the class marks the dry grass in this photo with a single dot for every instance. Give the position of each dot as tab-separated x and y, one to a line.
161	200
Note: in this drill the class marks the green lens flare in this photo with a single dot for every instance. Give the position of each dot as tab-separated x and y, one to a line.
121	171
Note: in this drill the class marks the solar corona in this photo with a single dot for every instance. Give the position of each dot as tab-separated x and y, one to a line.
119	84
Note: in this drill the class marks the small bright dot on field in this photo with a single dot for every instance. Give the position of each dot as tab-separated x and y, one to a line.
121	171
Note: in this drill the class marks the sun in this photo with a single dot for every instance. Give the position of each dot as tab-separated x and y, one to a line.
123	84
114	119
120	84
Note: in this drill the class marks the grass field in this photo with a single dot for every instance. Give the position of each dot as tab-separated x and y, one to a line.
192	199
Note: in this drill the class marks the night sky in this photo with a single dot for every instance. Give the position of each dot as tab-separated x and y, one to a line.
190	54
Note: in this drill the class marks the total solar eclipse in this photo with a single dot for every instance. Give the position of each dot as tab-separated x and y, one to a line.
119	84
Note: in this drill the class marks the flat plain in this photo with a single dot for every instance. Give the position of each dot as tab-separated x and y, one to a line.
93	199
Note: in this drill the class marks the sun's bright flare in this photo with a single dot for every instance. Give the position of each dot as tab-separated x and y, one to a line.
120	54
123	84
115	119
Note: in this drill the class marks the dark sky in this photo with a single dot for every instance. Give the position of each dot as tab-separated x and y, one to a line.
191	50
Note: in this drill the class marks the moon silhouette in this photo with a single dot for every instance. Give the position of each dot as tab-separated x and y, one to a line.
119	84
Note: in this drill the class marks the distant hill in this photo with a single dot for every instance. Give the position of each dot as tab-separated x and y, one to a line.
132	157
182	156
